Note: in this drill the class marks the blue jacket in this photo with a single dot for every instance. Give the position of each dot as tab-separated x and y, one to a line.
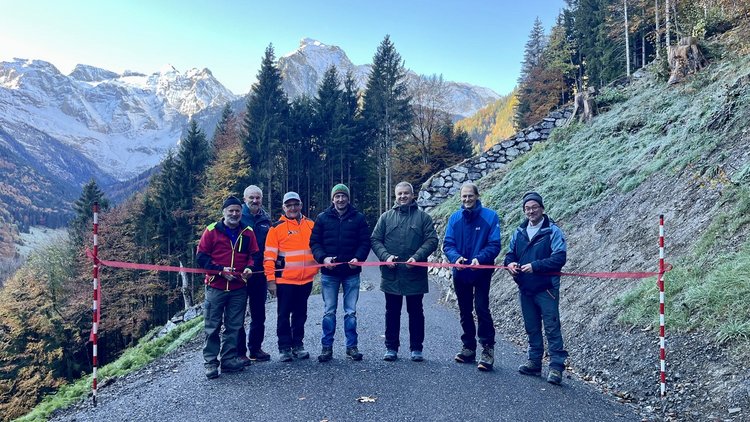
473	233
546	252
260	224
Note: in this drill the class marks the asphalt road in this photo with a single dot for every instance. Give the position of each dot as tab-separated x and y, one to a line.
437	389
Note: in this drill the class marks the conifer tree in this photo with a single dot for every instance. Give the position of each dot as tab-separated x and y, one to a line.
530	74
386	112
265	123
80	224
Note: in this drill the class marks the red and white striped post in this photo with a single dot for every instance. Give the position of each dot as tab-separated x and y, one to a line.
662	348
95	309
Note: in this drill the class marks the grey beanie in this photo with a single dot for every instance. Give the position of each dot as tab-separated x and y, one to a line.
532	196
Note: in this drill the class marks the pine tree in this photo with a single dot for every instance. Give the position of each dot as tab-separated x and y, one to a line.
265	123
386	112
84	214
530	73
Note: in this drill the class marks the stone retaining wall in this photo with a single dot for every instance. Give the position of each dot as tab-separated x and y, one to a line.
443	185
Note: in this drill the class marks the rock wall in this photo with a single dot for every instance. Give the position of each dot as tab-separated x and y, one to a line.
443	185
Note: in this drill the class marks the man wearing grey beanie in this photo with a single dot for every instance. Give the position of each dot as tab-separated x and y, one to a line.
536	252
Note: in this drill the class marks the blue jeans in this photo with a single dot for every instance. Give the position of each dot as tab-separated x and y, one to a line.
544	308
330	286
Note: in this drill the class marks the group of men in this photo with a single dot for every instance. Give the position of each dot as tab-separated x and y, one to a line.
254	257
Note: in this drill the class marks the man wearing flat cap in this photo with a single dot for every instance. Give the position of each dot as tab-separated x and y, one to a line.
290	267
227	247
537	250
340	235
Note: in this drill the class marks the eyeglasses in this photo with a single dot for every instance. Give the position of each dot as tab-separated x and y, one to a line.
293	204
531	209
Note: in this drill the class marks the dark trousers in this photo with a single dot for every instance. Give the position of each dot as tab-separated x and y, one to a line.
225	307
475	295
257	291
414	308
292	310
543	310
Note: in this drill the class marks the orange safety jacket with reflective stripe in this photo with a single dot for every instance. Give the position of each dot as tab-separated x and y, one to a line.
288	243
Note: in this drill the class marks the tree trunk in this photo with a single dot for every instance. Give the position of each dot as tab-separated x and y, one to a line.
666	25
684	59
584	106
627	39
187	294
657	41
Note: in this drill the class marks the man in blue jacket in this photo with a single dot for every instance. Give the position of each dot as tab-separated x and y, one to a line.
473	238
255	217
340	234
537	250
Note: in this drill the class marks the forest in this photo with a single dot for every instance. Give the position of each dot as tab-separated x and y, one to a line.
370	140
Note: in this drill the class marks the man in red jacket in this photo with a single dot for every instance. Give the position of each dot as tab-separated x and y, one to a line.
226	246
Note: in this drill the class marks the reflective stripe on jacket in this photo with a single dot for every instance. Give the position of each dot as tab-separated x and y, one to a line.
288	243
216	251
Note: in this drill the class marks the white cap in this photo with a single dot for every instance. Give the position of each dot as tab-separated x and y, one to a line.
291	195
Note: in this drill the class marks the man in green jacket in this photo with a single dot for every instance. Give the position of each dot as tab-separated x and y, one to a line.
404	234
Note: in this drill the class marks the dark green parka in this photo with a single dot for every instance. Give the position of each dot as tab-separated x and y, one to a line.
404	231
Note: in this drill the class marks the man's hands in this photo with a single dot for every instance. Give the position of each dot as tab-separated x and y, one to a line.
329	261
246	273
226	272
390	261
514	268
272	288
462	260
352	261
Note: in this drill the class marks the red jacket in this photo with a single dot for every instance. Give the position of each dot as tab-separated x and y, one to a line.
216	251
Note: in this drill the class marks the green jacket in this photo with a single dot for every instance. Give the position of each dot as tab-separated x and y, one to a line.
404	231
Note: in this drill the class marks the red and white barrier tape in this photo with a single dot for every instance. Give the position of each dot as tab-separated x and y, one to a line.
660	282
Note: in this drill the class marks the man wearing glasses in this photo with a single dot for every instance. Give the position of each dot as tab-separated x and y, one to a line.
290	268
537	250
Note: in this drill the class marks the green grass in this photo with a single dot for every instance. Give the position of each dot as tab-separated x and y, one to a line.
651	128
134	358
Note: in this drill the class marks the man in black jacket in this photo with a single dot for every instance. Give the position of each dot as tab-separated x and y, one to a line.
340	235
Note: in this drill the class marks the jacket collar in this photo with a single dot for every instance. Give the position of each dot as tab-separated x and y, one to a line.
470	213
405	208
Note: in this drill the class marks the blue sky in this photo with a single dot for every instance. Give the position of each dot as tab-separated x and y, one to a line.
476	41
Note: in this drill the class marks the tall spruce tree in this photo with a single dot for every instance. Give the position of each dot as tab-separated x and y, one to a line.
90	193
386	112
265	123
530	74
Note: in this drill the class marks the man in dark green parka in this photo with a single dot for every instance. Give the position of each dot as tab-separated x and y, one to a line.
404	234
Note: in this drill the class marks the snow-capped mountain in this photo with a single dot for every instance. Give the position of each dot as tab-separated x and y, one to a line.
124	123
303	70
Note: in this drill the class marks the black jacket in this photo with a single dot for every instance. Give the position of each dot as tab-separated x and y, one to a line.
344	237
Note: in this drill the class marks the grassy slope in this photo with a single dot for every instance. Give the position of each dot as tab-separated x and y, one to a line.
694	132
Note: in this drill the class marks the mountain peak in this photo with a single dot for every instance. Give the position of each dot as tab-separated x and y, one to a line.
86	73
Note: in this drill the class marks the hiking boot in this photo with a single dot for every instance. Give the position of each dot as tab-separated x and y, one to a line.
390	355
326	354
260	356
487	359
417	356
353	353
212	370
286	355
554	376
245	360
233	365
299	352
466	355
531	368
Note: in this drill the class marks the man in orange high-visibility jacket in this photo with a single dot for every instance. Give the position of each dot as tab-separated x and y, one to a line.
290	267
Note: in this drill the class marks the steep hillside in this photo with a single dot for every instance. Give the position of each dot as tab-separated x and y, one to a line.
675	150
491	124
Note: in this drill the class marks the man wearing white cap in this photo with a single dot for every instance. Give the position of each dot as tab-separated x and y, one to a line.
290	267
